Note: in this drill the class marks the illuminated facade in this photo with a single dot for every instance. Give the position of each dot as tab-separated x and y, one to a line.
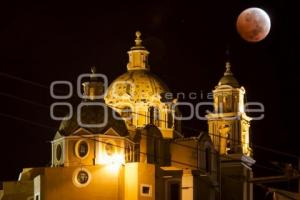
140	152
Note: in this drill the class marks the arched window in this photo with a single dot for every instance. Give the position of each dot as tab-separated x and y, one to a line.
170	119
128	88
154	116
220	104
208	160
82	149
58	152
110	149
129	154
235	103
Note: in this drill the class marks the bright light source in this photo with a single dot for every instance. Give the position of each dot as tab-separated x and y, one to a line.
113	168
115	159
113	162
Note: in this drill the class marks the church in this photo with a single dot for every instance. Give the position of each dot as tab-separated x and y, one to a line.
126	143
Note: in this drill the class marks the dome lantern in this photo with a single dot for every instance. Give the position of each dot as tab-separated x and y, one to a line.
138	55
93	88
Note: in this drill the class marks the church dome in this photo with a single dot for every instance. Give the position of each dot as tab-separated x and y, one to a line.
95	115
228	78
140	85
140	97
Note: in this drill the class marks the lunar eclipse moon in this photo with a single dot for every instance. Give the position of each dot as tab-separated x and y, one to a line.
253	24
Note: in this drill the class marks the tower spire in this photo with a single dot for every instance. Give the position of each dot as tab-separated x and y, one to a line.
228	78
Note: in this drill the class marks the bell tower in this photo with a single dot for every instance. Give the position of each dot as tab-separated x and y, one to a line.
229	124
228	128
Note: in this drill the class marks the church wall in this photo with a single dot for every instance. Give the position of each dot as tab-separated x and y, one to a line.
143	149
105	183
234	184
184	153
146	178
199	180
17	190
205	189
139	177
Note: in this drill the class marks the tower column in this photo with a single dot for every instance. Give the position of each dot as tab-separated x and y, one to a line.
187	181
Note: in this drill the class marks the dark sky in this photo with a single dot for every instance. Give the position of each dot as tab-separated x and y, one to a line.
187	41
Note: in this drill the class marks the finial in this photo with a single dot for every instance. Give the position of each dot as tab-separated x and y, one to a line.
93	73
228	71
93	69
138	41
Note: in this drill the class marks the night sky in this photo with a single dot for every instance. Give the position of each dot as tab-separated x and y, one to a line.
187	41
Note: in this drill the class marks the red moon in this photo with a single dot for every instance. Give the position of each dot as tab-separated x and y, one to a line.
253	24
